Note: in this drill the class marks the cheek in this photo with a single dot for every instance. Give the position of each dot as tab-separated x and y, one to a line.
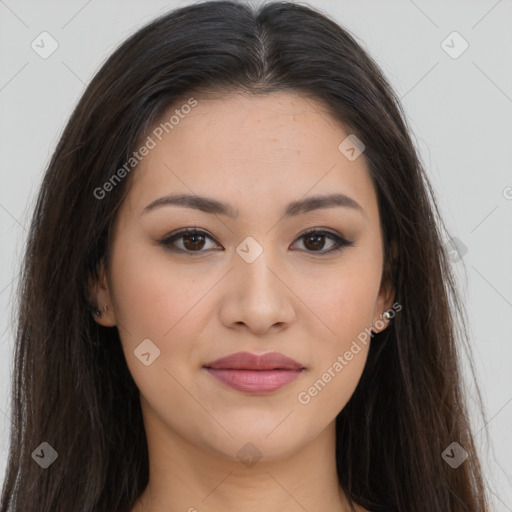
149	303
341	355
156	301
346	303
150	294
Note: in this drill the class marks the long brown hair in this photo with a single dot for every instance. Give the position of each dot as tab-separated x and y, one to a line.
72	388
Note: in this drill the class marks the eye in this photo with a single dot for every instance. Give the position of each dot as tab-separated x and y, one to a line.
194	241
315	239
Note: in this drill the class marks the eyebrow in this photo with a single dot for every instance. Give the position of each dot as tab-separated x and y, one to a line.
216	207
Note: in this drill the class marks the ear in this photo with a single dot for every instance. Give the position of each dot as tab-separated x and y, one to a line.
101	298
386	294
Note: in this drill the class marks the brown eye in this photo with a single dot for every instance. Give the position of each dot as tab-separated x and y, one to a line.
314	241
194	241
191	241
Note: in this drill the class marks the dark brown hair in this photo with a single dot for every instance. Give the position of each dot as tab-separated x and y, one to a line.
71	386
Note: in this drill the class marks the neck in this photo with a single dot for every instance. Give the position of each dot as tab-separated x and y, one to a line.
187	478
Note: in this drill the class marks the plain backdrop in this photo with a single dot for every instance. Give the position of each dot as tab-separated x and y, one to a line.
458	102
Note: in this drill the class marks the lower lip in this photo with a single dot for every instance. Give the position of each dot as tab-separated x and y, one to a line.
255	381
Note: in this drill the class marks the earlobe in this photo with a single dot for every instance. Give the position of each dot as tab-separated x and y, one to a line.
103	311
384	306
384	319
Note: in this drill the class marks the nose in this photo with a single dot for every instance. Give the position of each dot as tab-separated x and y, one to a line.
257	296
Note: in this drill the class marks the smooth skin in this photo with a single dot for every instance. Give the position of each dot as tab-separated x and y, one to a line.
203	301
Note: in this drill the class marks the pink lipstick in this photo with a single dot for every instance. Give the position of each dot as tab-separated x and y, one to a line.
255	374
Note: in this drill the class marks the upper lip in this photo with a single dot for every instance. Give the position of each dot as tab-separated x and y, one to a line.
248	361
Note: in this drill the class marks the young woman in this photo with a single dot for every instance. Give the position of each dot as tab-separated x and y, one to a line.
235	294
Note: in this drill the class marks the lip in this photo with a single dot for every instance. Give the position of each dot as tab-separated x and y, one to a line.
254	373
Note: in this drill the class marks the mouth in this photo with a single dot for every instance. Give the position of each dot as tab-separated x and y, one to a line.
255	374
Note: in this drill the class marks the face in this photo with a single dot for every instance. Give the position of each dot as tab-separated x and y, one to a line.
247	277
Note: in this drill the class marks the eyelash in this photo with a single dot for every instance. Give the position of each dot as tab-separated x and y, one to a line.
342	243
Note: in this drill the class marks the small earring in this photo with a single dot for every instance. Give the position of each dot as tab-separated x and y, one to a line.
99	313
386	316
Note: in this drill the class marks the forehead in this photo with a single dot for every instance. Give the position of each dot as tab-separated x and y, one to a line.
279	146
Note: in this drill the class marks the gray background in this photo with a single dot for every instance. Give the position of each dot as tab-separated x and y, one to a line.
460	110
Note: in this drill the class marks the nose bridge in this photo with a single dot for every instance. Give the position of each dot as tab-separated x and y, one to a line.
256	268
259	297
